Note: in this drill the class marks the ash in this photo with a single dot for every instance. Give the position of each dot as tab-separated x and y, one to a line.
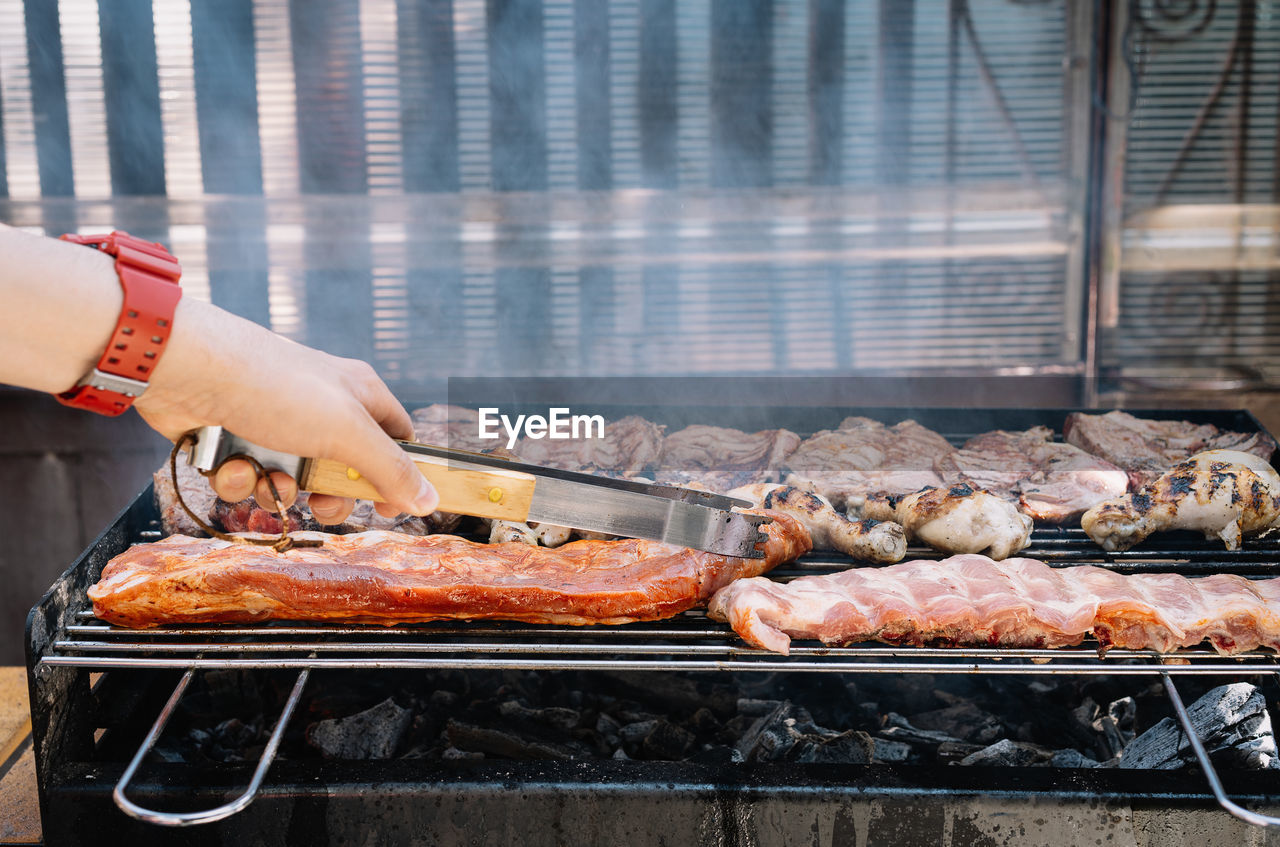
457	716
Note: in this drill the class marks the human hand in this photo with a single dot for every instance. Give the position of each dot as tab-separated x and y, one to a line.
222	370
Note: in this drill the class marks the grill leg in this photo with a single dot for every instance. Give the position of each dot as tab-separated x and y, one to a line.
227	809
1210	772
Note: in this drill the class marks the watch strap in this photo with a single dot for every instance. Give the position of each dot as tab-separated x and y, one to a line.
149	278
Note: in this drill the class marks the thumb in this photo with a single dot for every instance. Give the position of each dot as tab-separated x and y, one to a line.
390	470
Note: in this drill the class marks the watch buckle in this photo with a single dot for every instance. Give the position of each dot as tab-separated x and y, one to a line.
103	381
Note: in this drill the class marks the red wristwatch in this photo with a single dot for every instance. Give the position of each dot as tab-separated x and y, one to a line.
149	276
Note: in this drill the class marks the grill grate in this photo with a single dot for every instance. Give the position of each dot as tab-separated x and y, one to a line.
689	642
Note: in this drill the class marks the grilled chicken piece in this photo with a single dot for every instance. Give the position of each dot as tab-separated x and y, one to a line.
505	532
872	541
1223	493
959	519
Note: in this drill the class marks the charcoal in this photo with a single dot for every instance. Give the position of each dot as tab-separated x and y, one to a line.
886	751
1115	726
232	691
1007	753
1231	720
768	739
372	734
704	722
672	693
443	699
953	751
666	742
453	754
962	720
1070	758
634	733
1085	728
757	708
852	747
620	754
716	754
626	716
553	716
510	745
899	728
234	733
609	729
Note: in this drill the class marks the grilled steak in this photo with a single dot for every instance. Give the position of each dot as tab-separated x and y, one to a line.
719	458
1051	481
390	578
864	458
1222	493
971	599
1147	448
630	445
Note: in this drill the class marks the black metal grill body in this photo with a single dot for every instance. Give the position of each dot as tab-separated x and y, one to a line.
556	802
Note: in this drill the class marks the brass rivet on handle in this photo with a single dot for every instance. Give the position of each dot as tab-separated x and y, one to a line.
495	495
353	474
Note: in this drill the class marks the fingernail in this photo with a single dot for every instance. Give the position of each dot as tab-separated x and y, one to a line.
240	477
426	501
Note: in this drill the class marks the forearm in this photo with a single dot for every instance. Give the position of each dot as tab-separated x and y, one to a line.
60	303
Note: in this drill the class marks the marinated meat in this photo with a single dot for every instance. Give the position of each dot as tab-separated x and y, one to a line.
195	491
721	458
958	519
630	446
865	458
445	425
1051	481
868	540
1145	448
389	578
973	600
1223	493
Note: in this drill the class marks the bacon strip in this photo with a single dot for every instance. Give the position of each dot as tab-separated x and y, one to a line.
389	578
973	600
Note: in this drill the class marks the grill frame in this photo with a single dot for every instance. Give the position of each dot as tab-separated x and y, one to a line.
64	705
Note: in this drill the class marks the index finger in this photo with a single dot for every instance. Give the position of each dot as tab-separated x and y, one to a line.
389	469
384	408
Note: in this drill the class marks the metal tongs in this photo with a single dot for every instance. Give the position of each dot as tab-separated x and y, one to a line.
491	487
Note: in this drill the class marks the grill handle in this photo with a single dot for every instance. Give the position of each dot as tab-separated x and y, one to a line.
1206	765
219	812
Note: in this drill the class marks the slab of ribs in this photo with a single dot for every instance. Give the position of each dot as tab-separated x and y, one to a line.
973	600
390	578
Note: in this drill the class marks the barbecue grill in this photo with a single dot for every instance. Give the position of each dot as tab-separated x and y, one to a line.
68	647
970	204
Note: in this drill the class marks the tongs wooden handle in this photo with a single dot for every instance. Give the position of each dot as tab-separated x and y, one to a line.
505	495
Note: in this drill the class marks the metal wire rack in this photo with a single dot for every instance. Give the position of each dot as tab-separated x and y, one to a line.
688	642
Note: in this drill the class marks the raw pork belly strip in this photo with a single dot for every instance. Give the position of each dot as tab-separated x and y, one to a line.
389	578
972	600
